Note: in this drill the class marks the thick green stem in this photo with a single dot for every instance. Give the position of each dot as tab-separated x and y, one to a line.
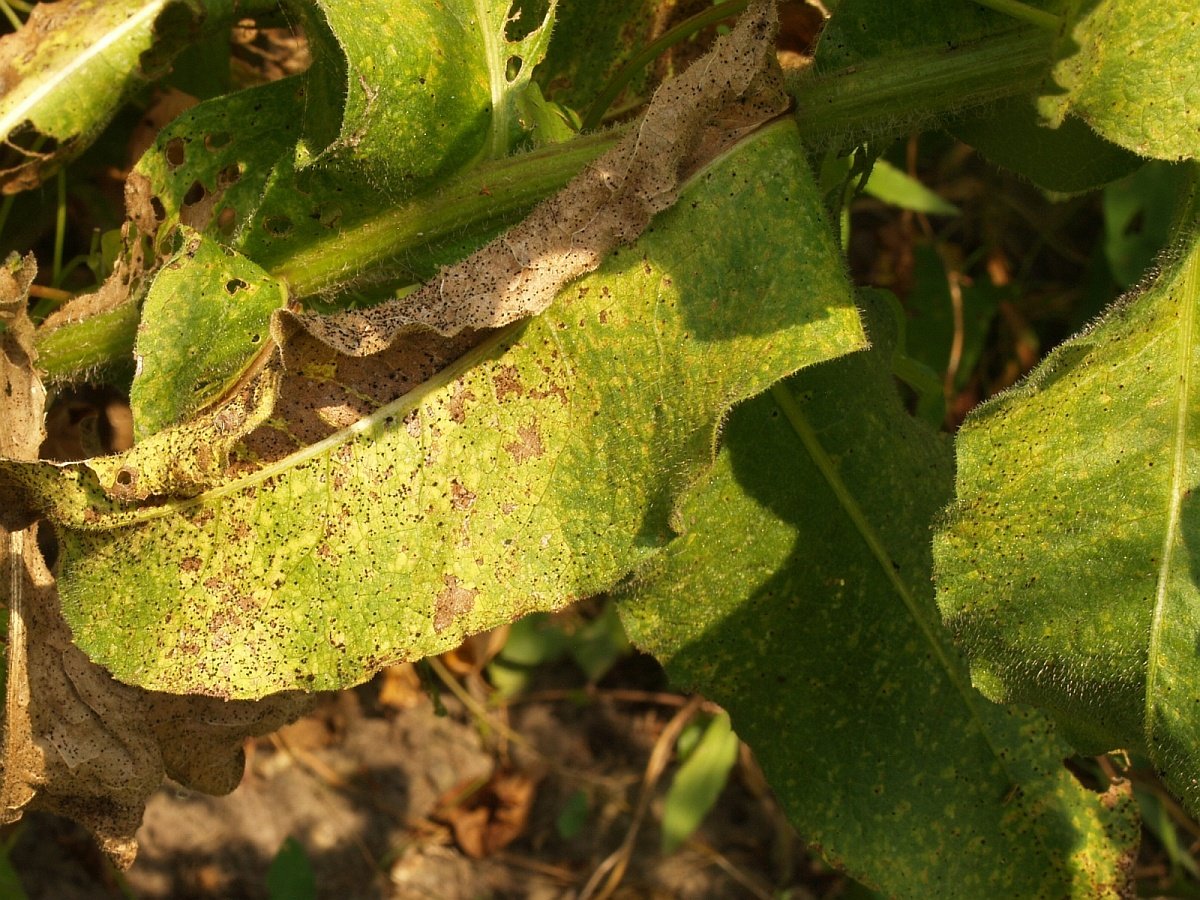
77	351
882	96
903	92
490	196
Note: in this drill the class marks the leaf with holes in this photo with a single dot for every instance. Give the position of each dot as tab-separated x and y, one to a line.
389	79
458	506
1067	565
206	312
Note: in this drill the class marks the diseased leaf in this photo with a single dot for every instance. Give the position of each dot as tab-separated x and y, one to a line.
692	118
1128	69
204	291
76	742
72	65
236	170
400	74
1067	563
458	506
799	598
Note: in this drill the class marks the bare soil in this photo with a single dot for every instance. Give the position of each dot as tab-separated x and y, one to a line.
390	800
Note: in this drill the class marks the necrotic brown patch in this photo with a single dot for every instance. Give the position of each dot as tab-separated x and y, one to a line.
528	444
452	602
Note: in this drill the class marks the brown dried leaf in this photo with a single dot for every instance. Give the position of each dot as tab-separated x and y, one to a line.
490	818
77	742
690	120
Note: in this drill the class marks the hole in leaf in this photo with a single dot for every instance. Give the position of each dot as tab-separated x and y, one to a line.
229	175
160	211
524	16
194	194
277	225
226	219
175	152
512	68
233	285
217	140
255	338
126	477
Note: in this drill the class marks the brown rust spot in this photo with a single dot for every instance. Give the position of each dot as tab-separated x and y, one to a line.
190	564
507	381
412	424
452	602
458	403
528	444
461	498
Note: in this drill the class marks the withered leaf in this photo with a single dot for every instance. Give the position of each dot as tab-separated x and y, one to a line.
691	118
77	742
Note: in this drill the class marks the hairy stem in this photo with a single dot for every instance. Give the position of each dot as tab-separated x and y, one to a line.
481	200
907	91
874	98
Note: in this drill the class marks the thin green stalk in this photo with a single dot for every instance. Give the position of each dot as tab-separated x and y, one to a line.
9	14
1024	12
60	228
668	39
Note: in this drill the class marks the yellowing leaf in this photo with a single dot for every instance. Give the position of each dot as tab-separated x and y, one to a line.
540	468
73	63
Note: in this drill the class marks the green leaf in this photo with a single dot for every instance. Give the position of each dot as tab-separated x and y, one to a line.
698	783
538	469
598	645
1129	69
861	30
1067	565
1069	159
592	40
398	74
11	887
206	312
799	598
1138	213
291	875
73	64
574	815
889	184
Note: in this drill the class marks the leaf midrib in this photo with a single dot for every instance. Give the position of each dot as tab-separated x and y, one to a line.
1189	293
845	498
21	111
